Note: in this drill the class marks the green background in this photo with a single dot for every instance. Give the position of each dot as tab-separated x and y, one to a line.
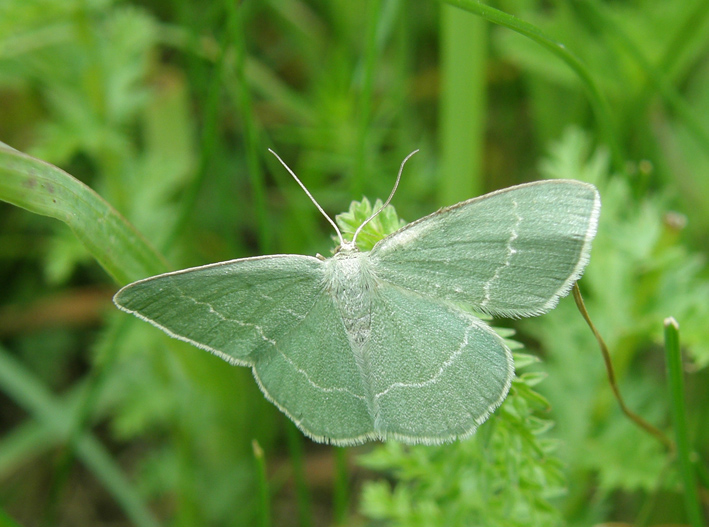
166	110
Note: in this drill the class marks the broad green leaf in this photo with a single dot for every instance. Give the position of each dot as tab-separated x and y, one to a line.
47	190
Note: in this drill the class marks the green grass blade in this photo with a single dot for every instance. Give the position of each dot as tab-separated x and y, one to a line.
295	449
6	521
597	99
88	397
679	419
341	492
209	135
264	508
364	79
24	442
673	60
462	104
47	190
29	393
241	90
605	22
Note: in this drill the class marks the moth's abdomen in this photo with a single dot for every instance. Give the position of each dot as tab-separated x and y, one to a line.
352	285
353	288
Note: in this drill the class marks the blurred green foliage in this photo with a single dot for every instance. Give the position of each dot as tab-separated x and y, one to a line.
166	109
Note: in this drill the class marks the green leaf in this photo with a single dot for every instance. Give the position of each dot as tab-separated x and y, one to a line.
386	222
47	190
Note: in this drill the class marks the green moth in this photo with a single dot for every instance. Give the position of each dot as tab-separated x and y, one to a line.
382	344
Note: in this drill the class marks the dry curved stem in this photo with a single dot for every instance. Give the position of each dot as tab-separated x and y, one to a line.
635	418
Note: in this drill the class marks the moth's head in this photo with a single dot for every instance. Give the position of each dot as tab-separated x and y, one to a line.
344	250
348	247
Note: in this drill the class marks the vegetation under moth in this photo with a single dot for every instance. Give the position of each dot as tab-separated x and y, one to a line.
382	344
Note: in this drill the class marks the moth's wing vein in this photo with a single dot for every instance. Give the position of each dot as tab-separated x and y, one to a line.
228	308
511	253
442	371
272	314
326	397
433	379
513	235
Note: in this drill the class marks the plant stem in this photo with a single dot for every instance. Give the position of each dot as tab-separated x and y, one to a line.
264	508
341	491
679	419
642	423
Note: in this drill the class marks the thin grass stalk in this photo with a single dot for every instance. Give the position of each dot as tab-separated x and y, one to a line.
635	418
684	34
693	23
364	81
679	420
252	144
295	448
209	127
264	494
342	488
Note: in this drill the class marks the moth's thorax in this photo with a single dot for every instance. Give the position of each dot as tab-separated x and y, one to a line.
351	282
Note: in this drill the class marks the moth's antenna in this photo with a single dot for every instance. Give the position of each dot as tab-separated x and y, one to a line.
339	234
393	191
